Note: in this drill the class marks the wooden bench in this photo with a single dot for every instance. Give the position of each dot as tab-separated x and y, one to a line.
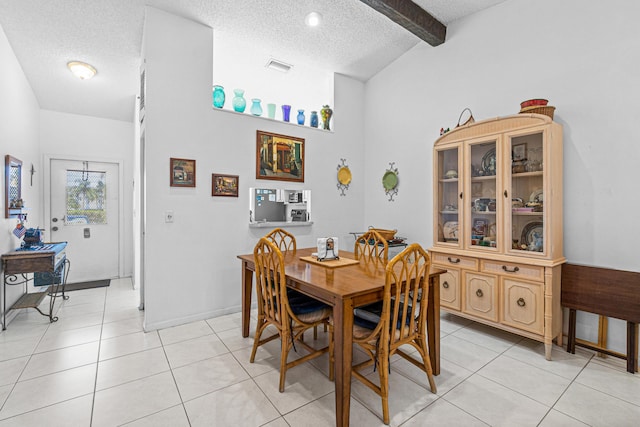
607	292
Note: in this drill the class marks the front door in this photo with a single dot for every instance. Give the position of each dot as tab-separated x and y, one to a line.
84	207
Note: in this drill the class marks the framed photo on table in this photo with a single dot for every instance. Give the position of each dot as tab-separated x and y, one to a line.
279	157
182	172
224	185
519	152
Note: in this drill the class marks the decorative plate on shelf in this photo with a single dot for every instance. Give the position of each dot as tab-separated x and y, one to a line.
532	236
389	180
537	196
489	162
344	175
450	231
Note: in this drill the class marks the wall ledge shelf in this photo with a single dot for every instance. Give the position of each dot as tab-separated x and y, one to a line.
280	224
291	123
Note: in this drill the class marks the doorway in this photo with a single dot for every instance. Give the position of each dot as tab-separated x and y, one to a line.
84	209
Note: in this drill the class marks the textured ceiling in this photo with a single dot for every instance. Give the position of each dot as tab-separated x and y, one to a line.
45	34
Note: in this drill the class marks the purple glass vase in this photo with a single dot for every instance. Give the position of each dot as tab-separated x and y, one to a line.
286	109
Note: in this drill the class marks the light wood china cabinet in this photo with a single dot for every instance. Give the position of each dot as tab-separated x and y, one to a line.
498	224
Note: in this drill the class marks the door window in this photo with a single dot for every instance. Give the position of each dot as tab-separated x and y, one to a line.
86	197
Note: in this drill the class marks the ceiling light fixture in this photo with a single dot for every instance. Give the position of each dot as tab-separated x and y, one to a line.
81	70
313	19
278	65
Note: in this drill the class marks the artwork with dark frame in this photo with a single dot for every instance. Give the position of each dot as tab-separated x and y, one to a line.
519	152
224	185
182	172
279	157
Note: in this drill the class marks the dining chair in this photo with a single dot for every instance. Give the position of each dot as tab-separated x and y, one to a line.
372	246
284	240
381	329
290	315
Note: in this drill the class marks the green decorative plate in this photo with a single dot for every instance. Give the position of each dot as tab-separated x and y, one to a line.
389	180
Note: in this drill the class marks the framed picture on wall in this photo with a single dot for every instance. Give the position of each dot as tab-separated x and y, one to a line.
182	172
279	157
224	185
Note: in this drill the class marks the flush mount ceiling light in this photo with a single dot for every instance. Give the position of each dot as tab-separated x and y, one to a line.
81	70
313	19
278	65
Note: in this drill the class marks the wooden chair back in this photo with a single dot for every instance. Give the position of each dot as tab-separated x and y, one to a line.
270	282
372	247
283	240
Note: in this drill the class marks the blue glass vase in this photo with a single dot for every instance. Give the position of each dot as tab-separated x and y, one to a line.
218	96
256	108
300	117
286	110
313	121
238	101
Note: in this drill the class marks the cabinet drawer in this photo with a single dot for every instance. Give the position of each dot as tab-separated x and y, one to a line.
481	295
510	269
523	305
450	288
448	261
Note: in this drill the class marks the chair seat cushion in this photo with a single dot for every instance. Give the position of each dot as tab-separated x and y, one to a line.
368	316
306	308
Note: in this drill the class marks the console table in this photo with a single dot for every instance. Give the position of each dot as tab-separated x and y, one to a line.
49	267
607	292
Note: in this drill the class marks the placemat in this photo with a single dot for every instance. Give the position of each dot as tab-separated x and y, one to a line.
334	263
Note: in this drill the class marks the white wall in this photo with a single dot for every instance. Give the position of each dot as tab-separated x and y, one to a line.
582	57
19	123
191	269
64	135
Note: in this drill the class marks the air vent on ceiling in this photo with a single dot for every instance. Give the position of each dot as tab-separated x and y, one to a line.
275	64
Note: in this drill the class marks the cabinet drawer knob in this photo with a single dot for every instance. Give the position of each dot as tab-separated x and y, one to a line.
460	196
506	194
453	261
513	270
479	293
521	302
445	285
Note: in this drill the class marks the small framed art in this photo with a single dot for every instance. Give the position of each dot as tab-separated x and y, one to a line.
182	172
224	185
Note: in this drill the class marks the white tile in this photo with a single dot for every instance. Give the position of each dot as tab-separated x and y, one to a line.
11	369
18	331
124	313
623	385
134	400
49	389
172	417
4	393
194	350
538	384
558	419
597	409
74	412
234	340
278	422
465	353
322	413
241	404
131	367
450	323
54	339
267	358
121	327
303	384
486	336
127	344
450	374
226	322
495	404
406	398
565	364
185	332
209	375
60	360
442	413
66	322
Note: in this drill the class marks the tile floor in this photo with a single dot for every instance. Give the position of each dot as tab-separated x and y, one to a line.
96	367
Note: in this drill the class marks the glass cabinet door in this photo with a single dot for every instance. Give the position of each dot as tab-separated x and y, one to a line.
448	195
526	190
484	169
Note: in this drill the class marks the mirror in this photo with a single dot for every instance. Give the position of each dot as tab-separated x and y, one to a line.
12	186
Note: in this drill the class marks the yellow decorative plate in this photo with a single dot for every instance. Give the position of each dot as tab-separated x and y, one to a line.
344	175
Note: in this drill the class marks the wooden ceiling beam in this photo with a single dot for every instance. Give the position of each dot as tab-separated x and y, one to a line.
412	17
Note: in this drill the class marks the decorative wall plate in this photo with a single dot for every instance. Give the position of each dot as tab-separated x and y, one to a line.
390	181
344	175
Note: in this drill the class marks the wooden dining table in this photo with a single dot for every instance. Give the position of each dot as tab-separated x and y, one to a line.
343	288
